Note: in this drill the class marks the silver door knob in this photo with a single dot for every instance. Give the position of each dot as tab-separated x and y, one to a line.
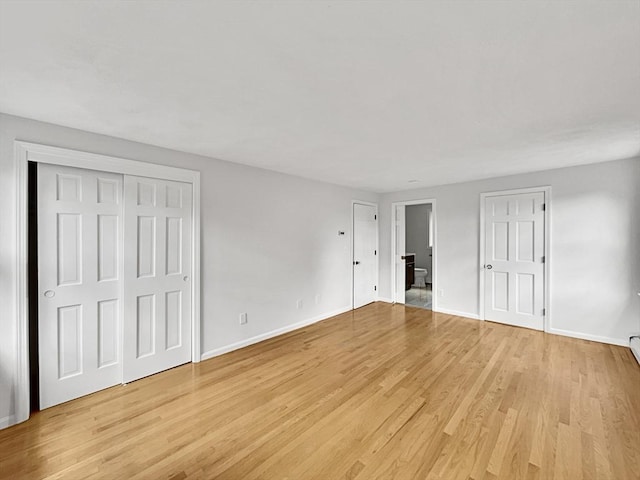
49	294
185	278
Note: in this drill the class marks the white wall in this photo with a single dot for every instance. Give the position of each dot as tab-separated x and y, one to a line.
595	246
268	239
417	235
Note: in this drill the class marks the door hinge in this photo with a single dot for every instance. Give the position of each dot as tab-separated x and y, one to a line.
375	252
544	258
544	207
375	288
375	217
544	312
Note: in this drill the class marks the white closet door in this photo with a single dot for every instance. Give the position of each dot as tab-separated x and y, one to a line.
364	254
79	224
157	275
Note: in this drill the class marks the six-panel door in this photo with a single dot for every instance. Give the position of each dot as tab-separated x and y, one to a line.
514	259
157	275
79	258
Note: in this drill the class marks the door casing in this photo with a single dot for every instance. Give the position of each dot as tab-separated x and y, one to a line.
25	152
546	190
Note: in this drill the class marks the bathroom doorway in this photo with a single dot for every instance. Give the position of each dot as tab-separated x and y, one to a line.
419	255
414	246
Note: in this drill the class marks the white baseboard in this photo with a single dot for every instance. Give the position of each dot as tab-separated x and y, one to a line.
473	316
385	300
623	342
634	344
273	333
7	421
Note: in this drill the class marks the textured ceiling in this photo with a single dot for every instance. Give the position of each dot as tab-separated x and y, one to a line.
371	95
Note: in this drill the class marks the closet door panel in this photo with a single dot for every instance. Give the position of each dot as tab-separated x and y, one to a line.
157	273
79	275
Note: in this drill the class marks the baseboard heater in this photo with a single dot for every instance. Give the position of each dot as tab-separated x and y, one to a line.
634	343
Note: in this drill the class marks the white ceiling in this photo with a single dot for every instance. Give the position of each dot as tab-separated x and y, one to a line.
371	95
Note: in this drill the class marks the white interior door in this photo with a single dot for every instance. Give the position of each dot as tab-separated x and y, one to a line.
365	233
400	264
514	259
157	275
79	275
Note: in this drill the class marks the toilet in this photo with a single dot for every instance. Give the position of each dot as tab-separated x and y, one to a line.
420	277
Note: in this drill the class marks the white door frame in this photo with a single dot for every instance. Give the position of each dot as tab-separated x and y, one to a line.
31	152
375	205
434	250
546	190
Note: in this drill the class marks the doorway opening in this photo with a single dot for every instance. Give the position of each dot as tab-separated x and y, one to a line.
419	256
32	241
414	247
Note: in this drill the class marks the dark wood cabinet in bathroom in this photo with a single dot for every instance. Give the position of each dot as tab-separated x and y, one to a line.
410	265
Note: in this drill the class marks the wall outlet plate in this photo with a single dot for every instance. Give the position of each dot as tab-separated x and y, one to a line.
243	319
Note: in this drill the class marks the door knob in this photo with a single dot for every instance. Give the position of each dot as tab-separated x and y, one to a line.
489	267
356	262
185	278
49	294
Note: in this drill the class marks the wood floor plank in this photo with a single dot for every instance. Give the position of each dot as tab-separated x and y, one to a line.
383	392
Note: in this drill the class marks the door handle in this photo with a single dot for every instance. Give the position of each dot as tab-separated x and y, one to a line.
49	294
489	267
356	262
403	257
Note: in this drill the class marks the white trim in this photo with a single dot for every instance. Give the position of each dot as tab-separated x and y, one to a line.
25	152
196	324
271	334
7	421
121	289
546	191
385	300
371	204
456	313
92	161
22	391
434	248
634	345
587	336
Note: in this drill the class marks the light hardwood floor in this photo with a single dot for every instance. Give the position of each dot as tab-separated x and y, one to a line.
383	392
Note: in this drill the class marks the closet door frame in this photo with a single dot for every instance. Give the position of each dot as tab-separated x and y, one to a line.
32	152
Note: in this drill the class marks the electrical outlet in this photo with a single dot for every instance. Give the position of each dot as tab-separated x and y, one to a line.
318	299
441	293
243	319
299	304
